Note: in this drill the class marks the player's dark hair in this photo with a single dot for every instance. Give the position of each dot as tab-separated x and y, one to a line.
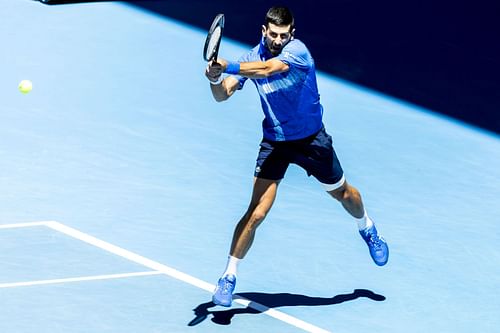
279	16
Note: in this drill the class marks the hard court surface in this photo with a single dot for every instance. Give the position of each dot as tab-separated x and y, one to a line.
121	181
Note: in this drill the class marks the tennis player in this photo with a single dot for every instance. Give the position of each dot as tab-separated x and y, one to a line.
283	71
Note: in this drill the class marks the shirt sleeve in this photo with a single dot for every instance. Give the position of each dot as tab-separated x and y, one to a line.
242	79
296	54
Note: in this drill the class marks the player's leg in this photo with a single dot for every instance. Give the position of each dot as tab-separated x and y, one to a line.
271	166
263	195
317	156
350	198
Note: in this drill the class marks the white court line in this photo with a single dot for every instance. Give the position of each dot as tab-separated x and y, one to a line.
156	266
24	225
77	279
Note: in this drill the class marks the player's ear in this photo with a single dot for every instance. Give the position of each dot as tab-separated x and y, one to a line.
292	33
264	30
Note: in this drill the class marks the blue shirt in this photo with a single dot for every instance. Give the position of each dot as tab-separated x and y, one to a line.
290	100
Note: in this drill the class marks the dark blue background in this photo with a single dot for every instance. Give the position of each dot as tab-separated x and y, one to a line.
443	55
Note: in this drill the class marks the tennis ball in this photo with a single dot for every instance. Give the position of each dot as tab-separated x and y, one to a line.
25	86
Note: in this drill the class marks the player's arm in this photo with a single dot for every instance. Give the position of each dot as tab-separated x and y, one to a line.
255	69
262	69
221	88
224	89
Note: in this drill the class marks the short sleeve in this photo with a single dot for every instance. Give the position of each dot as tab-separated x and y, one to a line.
296	54
242	79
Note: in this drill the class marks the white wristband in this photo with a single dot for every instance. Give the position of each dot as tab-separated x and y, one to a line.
219	81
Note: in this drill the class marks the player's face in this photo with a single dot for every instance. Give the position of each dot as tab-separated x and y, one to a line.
276	37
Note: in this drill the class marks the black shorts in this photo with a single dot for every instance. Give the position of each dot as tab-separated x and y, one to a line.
315	154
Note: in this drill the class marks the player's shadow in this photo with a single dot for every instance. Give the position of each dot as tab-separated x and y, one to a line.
274	301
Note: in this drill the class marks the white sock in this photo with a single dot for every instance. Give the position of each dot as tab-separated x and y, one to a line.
364	222
232	266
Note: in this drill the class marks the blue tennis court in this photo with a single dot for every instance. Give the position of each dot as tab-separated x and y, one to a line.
122	180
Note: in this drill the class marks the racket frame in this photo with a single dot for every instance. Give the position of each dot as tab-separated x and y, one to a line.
217	22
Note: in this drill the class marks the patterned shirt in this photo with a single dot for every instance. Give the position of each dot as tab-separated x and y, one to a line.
290	100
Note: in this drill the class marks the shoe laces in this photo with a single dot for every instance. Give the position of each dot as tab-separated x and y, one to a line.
375	241
227	285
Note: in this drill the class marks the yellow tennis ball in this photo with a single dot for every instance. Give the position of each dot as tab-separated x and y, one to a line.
25	86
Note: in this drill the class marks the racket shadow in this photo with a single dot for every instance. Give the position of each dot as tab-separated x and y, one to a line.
224	317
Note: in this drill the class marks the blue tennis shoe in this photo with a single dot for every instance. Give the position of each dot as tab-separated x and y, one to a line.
376	244
223	294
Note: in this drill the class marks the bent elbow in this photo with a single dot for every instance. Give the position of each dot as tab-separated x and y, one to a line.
267	72
220	98
273	67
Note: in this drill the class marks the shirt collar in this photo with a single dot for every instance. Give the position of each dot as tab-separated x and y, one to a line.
263	50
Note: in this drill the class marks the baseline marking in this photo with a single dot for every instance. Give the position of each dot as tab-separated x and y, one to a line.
77	279
166	270
24	225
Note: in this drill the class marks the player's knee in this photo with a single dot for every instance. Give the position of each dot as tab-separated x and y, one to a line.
258	215
340	194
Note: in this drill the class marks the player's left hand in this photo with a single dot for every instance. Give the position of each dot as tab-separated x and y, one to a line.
214	71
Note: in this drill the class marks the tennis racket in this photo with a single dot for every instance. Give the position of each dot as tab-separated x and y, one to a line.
214	37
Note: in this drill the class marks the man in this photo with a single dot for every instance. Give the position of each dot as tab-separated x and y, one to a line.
283	71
